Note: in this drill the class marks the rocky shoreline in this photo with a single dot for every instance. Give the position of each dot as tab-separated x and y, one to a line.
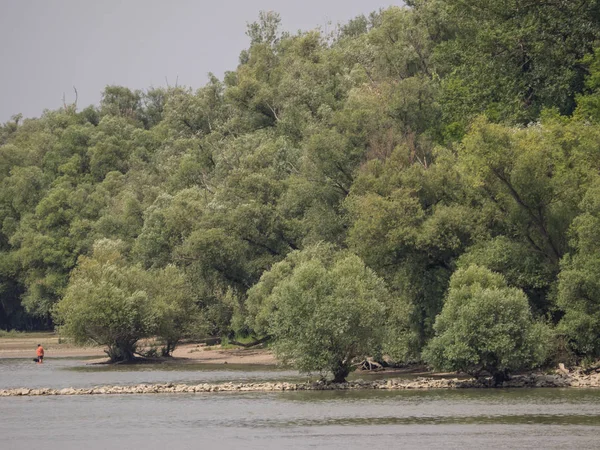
533	380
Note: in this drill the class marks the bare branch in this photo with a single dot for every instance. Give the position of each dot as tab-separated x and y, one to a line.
273	111
76	98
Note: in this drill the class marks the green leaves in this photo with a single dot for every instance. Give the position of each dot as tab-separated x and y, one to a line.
588	103
511	59
323	310
579	280
485	325
418	141
111	303
532	176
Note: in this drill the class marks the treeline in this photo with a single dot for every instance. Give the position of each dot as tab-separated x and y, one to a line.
422	183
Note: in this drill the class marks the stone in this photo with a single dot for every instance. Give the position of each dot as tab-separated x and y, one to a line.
562	369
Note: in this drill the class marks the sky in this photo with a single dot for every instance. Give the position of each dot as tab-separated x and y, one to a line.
49	46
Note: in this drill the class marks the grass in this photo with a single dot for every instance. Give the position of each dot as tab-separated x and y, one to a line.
11	334
225	344
25	340
14	334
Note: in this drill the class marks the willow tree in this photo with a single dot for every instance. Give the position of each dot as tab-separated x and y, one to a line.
486	326
113	304
324	309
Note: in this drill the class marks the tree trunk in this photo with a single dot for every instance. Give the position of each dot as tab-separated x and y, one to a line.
168	349
500	377
340	373
122	351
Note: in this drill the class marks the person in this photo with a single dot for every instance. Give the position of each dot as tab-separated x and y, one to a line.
40	354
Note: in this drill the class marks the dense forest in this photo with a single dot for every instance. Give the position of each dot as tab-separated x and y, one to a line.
423	183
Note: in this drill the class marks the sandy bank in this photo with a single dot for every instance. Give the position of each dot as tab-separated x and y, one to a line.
217	355
24	347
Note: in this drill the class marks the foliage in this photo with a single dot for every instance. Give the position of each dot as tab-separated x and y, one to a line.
113	304
323	310
485	325
588	102
422	139
579	280
510	59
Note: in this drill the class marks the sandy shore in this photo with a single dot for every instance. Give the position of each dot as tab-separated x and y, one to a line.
23	346
217	355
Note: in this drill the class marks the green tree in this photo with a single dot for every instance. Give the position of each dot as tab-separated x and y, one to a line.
266	29
120	101
588	103
103	303
510	59
322	309
579	280
173	307
109	302
486	326
525	172
409	221
368	140
529	183
521	267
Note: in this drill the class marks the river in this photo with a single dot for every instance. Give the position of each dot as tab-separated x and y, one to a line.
442	419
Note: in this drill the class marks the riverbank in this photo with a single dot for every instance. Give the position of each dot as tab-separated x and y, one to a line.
532	380
23	345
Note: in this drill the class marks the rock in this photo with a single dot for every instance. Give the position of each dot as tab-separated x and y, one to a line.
575	379
562	370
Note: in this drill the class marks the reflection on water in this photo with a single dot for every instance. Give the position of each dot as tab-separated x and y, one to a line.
71	372
543	418
444	419
61	373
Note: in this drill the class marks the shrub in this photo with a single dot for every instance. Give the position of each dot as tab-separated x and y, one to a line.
486	326
111	303
323	309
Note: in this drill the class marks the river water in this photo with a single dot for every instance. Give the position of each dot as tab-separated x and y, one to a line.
441	419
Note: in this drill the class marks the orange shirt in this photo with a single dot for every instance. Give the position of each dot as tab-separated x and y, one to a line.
40	351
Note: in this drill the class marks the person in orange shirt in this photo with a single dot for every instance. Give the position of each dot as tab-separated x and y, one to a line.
40	354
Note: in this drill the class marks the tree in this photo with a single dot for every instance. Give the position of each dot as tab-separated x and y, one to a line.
579	280
104	305
422	139
409	222
533	176
172	306
323	309
529	183
111	303
510	59
486	326
120	101
588	103
266	29
521	267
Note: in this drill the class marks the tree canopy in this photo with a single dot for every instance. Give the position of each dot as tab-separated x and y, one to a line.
417	142
323	309
113	304
485	325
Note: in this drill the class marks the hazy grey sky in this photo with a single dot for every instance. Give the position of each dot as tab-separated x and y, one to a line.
49	46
